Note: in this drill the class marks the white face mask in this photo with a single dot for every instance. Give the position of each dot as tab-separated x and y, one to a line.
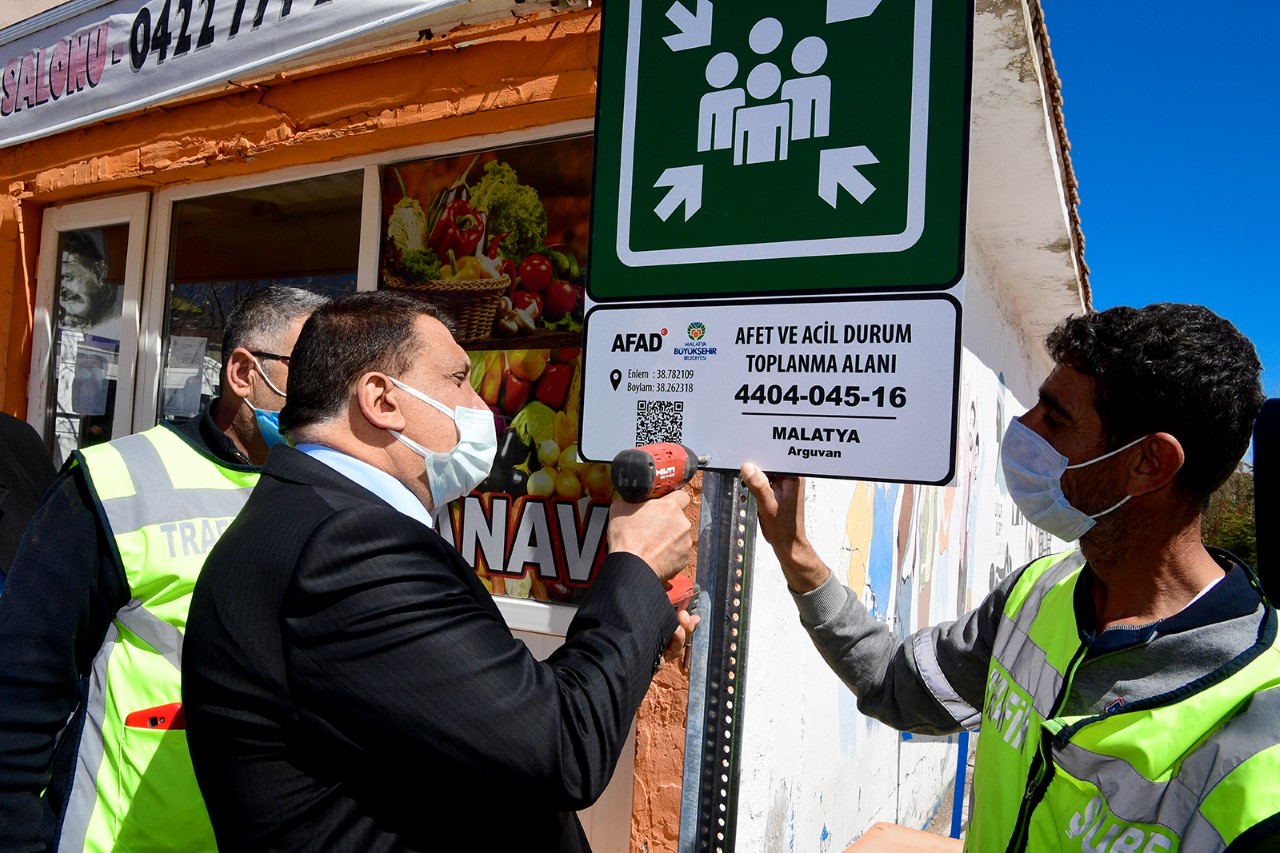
455	473
1033	472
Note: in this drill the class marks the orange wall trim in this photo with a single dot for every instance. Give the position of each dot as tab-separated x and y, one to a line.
518	77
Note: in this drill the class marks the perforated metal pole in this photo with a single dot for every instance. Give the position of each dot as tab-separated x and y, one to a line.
726	532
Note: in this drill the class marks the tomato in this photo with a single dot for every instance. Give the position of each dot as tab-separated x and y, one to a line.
559	299
535	272
522	299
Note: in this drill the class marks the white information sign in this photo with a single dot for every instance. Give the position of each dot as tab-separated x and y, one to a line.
857	388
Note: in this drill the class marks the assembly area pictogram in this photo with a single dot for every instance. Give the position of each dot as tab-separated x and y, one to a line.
784	111
752	146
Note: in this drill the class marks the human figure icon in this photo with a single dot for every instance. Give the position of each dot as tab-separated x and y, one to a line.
810	95
716	109
761	132
765	36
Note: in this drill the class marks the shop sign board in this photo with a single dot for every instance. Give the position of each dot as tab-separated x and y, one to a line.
854	387
762	147
128	54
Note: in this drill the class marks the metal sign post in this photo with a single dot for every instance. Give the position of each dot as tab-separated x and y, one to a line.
716	682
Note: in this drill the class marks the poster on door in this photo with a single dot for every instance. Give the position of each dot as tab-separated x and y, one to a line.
497	239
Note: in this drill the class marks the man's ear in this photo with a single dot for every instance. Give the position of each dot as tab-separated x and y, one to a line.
236	373
378	401
1159	459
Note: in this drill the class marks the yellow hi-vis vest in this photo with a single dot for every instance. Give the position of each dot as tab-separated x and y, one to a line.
1191	770
164	504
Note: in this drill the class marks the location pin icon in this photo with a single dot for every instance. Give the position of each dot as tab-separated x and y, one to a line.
616	378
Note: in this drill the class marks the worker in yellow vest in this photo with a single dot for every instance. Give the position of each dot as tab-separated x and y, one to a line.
93	751
1128	692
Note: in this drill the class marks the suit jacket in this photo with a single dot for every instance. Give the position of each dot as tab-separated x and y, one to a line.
351	686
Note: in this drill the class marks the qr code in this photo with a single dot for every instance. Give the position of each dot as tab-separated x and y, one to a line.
659	420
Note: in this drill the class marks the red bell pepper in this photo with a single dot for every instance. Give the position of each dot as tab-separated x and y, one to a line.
553	387
459	229
513	394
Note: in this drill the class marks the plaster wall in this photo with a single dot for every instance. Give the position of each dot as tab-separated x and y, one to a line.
815	771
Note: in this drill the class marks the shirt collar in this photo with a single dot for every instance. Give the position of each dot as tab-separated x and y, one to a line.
1231	597
374	479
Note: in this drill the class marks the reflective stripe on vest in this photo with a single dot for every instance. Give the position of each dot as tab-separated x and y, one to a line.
1187	773
1174	788
925	649
1024	679
165	504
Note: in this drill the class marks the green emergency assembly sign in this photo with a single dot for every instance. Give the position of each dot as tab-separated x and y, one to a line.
760	146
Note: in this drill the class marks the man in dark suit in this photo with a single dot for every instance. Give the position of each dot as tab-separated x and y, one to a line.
349	683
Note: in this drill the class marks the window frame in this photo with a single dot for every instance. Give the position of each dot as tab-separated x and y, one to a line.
131	210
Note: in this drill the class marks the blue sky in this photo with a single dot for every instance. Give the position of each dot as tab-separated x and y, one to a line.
1171	110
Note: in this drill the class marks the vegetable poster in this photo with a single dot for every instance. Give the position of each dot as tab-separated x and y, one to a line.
498	240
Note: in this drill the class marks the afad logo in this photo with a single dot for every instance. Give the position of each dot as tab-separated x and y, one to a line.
696	349
638	341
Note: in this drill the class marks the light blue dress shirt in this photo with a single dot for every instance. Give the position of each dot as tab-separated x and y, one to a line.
374	479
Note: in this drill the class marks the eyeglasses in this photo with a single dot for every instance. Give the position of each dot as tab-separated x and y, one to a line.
283	359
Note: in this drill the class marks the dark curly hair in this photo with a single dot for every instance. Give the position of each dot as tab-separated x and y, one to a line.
353	334
1172	368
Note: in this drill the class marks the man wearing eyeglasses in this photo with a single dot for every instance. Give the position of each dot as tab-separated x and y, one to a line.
93	751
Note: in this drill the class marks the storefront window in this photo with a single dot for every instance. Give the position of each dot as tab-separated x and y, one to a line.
300	234
89	300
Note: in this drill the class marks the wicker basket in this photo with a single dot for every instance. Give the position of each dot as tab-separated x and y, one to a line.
472	304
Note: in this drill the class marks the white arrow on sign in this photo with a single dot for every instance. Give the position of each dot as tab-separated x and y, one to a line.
695	29
686	187
847	10
839	168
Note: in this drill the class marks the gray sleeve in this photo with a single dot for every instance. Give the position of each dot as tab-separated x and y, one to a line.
931	683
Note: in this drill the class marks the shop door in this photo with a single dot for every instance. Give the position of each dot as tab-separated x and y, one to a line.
85	339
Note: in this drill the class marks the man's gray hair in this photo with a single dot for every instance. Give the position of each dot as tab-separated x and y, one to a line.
261	317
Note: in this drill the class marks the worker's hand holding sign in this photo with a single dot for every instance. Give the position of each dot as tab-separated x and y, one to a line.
780	509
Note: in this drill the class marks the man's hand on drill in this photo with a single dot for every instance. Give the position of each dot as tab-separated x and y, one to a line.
780	509
658	532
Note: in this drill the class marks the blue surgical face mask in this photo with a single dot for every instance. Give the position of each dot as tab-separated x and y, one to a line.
268	422
268	426
455	473
1033	472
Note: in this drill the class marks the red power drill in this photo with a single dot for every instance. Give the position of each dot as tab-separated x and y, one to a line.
651	471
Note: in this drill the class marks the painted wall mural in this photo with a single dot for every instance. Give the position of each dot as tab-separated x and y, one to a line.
915	556
919	555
